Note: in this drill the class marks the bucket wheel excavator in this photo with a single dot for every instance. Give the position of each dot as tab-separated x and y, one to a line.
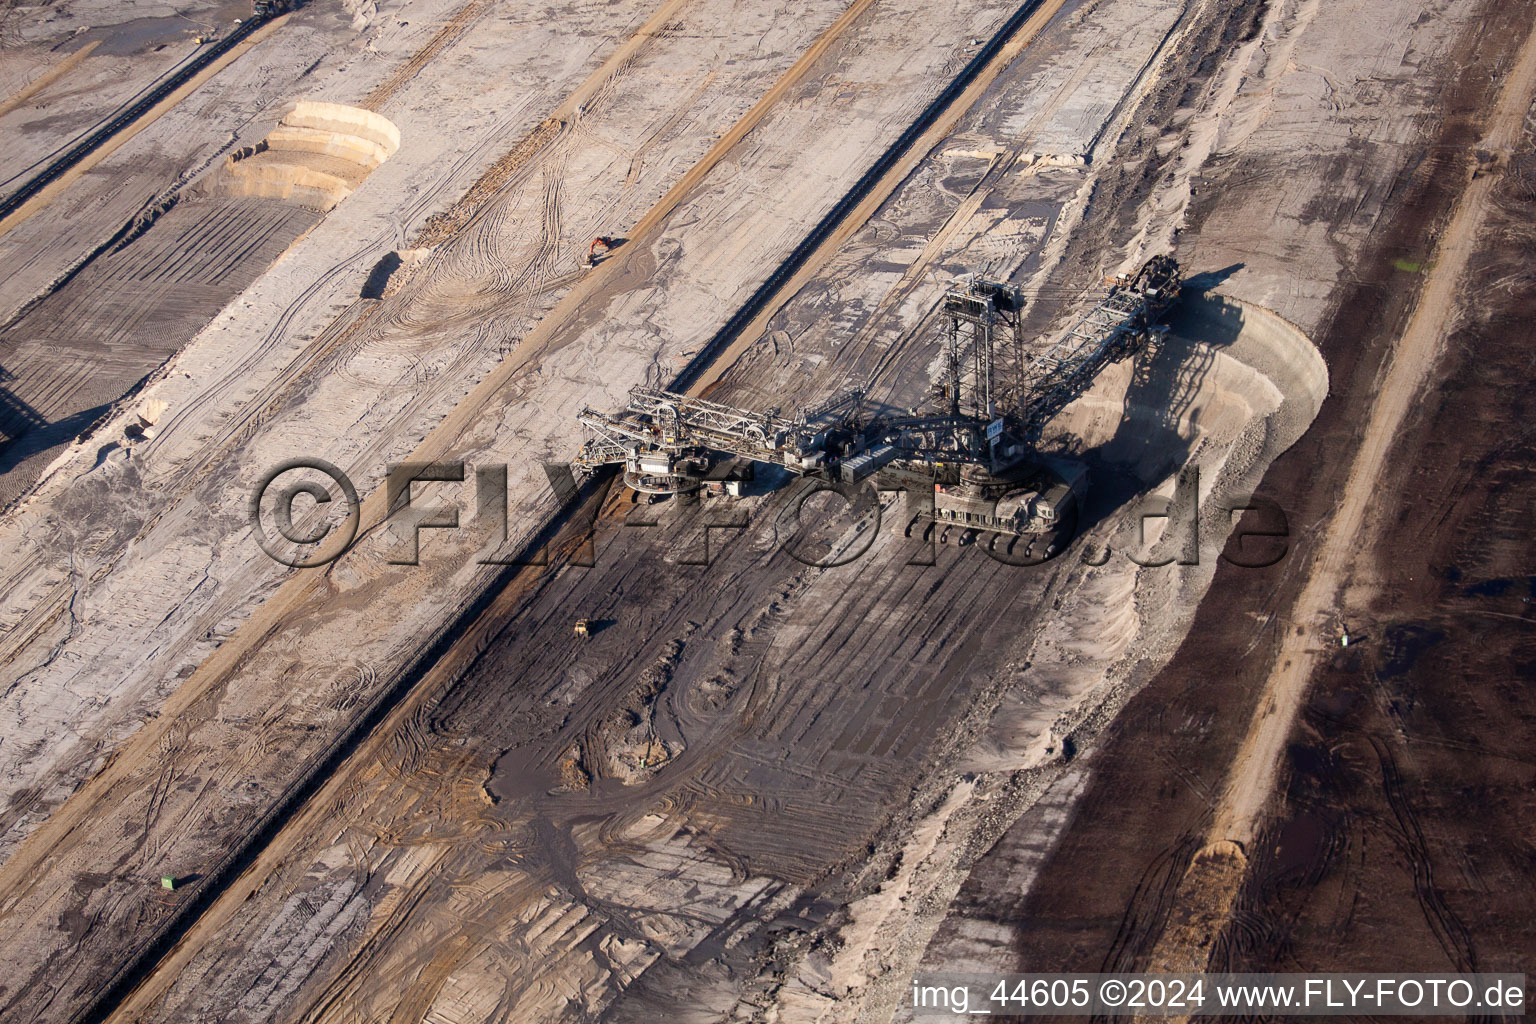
975	447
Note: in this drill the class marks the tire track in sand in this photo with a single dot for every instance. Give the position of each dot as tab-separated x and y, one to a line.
47	78
150	980
450	32
143	978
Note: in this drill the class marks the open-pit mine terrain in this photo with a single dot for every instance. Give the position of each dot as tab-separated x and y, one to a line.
712	510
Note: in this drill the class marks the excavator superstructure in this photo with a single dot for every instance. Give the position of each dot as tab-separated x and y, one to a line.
976	443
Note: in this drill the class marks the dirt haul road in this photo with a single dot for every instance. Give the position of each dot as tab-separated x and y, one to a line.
199	431
133	258
672	802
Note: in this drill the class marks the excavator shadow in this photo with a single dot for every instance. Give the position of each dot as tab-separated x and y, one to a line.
1160	421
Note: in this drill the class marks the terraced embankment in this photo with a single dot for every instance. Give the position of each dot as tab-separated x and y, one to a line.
626	827
59	170
315	157
472	282
1346	203
125	313
755	789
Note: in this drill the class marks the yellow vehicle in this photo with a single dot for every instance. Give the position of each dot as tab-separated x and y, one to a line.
581	628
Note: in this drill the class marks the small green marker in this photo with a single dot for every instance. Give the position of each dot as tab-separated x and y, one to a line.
167	881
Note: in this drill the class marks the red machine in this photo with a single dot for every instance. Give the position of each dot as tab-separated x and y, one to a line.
601	248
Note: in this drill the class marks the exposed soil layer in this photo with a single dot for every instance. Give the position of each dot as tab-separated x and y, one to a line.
315	157
743	742
1402	842
83	347
410	792
87	344
1404	838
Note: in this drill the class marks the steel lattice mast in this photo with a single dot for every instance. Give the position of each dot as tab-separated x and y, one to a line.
662	437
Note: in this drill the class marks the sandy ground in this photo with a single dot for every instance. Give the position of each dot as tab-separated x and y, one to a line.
419	337
725	768
847	70
1424	789
311	57
1143	875
1212	885
757	790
